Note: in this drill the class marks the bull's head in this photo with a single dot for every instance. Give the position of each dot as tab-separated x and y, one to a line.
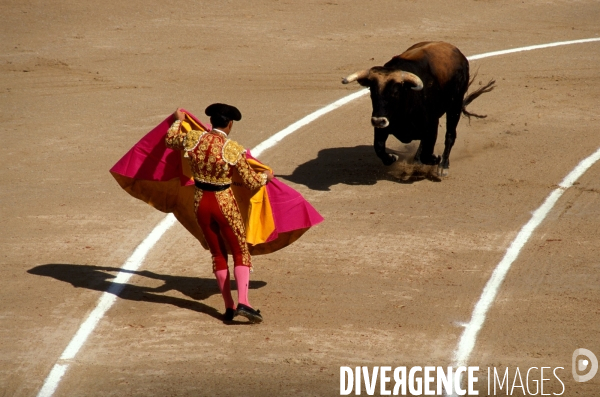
384	84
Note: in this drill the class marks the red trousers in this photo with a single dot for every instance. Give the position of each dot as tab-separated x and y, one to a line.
223	231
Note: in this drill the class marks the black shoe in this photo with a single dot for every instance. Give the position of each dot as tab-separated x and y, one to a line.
229	314
248	312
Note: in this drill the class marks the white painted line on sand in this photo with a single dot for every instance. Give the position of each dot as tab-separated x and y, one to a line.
53	380
104	303
275	139
469	336
136	259
532	47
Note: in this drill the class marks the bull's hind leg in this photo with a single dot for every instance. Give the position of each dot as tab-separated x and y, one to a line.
452	118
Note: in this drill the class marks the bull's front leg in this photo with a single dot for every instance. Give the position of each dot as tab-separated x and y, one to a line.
424	153
381	137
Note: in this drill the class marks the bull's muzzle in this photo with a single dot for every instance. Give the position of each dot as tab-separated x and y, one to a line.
380	122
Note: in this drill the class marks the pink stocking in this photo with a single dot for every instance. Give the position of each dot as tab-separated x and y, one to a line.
242	276
225	287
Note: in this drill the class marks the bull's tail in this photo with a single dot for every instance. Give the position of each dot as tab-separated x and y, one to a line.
474	95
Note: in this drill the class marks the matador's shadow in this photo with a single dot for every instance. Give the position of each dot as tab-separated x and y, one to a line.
99	278
359	166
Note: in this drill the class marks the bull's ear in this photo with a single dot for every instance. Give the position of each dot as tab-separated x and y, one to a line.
396	88
364	82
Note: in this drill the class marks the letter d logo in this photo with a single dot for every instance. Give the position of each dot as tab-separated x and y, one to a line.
582	365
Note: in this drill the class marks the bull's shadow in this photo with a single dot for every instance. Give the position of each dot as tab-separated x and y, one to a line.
99	278
358	166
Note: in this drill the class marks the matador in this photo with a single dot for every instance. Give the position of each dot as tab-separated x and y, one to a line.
213	158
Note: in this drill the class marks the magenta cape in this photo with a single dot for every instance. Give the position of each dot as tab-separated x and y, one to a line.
161	177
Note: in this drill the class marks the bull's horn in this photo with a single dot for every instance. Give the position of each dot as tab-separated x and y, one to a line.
355	76
412	78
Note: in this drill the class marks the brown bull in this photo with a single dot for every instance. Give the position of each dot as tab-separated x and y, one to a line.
412	91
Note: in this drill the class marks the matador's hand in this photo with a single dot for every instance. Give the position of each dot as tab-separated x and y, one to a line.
179	114
270	175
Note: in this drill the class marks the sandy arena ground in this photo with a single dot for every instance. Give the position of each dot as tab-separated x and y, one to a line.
402	256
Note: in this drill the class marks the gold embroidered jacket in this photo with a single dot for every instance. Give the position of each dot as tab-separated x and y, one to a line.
213	156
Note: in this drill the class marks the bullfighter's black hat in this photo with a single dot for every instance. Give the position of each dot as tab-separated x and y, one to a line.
225	111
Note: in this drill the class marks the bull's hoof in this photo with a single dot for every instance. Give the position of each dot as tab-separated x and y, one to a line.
442	172
392	158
